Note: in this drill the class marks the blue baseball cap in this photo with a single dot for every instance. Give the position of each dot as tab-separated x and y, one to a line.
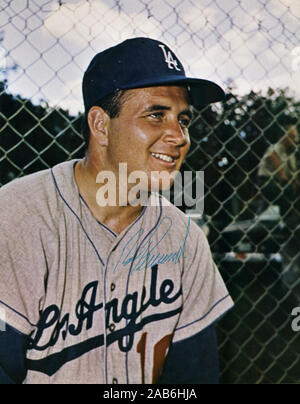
138	63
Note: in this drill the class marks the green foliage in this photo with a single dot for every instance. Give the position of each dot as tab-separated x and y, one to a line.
34	137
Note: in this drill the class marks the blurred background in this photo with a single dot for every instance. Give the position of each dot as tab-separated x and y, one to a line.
247	146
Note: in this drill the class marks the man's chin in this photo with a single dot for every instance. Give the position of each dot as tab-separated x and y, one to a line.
162	181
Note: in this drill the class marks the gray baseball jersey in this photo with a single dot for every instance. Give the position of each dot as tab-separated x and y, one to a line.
100	307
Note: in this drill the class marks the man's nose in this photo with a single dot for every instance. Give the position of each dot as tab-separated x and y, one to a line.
174	134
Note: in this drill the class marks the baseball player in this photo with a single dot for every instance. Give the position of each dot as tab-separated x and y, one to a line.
117	293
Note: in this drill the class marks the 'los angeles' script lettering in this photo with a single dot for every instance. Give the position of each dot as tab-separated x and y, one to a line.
53	325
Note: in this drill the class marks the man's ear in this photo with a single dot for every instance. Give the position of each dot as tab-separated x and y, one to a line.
98	121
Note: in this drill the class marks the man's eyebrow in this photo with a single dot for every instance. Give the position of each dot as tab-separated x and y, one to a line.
157	107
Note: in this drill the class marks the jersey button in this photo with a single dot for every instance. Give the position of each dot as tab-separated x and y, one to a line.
115	381
112	287
112	327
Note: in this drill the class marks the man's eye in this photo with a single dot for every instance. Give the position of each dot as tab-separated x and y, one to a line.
156	115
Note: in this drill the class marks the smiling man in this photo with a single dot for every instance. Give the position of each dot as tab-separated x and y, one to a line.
150	135
119	292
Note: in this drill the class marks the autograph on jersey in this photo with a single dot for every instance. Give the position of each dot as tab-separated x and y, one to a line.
142	254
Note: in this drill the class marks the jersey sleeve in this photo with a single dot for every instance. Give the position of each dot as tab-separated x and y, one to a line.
13	346
205	296
193	360
21	263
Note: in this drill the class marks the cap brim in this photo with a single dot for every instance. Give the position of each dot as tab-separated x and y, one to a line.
202	92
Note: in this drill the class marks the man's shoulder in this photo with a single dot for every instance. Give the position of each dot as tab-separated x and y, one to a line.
24	190
29	195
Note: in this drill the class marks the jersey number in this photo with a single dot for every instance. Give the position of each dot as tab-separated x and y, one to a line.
159	355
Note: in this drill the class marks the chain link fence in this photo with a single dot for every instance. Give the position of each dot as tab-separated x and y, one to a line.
247	145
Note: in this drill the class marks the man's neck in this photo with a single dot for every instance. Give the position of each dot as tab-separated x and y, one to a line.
117	218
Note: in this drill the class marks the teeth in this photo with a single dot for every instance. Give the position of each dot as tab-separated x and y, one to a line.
163	157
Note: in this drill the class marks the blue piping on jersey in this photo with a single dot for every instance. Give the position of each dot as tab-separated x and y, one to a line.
104	294
205	315
107	228
129	274
98	221
78	219
19	314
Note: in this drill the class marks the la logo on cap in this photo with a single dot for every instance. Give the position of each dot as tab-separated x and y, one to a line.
171	62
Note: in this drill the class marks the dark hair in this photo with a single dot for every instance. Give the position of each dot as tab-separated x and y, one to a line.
111	104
